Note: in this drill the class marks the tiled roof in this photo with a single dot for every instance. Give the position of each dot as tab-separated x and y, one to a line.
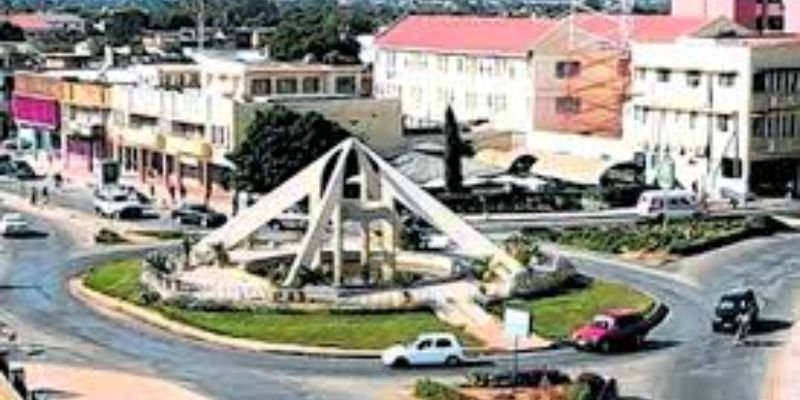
644	28
505	36
29	22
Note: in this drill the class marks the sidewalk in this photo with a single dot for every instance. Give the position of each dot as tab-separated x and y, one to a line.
61	381
784	384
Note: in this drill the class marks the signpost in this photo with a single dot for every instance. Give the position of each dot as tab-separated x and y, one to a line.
516	323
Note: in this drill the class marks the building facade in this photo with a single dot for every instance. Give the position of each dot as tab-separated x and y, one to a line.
718	115
36	111
761	15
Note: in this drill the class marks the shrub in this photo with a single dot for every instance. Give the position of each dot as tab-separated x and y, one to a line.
159	262
428	389
107	236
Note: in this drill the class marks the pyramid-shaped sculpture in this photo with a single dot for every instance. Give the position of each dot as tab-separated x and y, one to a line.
381	187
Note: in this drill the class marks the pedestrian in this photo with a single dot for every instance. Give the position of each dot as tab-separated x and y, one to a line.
182	189
152	191
34	194
58	180
45	195
171	190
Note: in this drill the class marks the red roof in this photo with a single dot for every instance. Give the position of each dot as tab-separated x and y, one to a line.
644	28
467	34
29	22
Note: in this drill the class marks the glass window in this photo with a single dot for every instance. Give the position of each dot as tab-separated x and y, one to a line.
727	79
425	344
663	75
443	343
567	69
286	86
568	105
261	87
345	85
723	123
311	84
693	78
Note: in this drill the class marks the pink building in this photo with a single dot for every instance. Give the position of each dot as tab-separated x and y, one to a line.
770	15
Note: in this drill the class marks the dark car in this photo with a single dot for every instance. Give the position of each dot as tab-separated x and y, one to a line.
733	309
199	214
618	329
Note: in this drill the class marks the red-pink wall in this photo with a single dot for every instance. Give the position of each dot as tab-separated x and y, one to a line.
36	111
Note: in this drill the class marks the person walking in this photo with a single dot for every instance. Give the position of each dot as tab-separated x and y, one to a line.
45	195
171	190
34	194
182	190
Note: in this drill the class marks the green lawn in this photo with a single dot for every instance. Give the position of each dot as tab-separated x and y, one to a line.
354	331
555	317
118	279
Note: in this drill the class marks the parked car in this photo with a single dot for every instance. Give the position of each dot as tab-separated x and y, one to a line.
618	329
198	214
659	204
734	308
428	349
12	224
120	202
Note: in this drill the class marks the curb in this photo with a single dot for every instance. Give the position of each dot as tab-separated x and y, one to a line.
119	309
602	258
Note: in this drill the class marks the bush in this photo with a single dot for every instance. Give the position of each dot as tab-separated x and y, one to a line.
428	389
107	236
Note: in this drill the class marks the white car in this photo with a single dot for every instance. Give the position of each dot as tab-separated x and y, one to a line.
656	204
13	224
427	349
119	201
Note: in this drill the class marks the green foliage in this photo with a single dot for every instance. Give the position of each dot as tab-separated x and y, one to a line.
107	236
118	279
319	31
453	151
428	389
280	143
11	33
670	237
124	27
221	256
159	262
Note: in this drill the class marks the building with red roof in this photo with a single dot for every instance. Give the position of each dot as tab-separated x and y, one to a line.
761	15
521	75
35	24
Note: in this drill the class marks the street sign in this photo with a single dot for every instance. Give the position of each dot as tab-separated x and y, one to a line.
516	323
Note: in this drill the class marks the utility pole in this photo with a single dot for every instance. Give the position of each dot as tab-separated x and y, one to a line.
201	25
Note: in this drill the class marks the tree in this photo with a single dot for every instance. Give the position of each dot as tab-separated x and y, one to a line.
11	33
318	32
453	150
280	143
124	26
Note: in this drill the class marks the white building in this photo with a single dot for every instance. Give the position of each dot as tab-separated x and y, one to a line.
721	115
481	67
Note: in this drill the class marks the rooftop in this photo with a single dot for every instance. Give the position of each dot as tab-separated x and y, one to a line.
503	36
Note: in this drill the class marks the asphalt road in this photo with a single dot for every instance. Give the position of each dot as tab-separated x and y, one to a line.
685	360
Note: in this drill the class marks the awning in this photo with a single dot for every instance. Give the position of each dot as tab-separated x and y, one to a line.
572	168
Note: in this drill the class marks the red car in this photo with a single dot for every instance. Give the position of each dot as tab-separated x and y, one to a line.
618	329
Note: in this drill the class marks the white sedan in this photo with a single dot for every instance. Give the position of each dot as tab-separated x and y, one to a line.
13	224
427	349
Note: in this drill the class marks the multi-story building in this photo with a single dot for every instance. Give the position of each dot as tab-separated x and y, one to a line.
761	15
718	115
37	113
561	83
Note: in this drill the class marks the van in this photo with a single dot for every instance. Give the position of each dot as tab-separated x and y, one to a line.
658	204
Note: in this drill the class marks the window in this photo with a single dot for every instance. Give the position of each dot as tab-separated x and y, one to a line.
757	126
663	75
567	69
641	74
692	120
693	78
286	85
759	82
731	167
568	105
727	79
424	345
443	343
345	85
311	84
723	123
261	87
775	22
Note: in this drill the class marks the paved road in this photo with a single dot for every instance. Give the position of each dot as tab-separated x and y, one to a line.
686	362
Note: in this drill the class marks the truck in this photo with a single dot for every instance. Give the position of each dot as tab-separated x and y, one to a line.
618	329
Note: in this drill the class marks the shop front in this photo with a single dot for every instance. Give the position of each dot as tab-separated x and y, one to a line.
37	122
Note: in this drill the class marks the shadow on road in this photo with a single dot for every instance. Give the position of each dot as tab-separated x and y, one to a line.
766	326
762	343
53	394
32	234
